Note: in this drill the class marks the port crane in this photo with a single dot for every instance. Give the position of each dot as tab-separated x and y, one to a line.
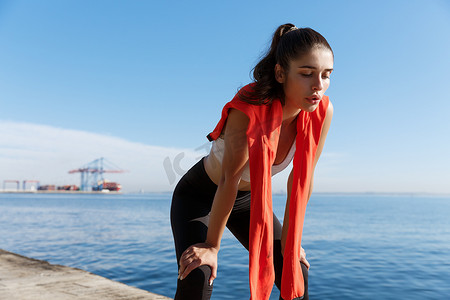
11	181
31	181
92	172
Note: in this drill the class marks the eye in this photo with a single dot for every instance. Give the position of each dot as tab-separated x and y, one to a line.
306	74
326	75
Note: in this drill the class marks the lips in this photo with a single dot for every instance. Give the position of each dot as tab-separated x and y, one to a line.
314	99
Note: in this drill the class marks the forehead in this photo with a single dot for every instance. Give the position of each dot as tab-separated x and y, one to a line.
317	57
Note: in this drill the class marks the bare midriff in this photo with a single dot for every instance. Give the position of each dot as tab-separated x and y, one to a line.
213	168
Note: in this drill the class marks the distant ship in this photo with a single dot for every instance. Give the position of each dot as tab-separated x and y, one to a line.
52	187
107	186
101	186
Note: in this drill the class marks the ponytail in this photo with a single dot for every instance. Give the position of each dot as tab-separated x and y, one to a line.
288	42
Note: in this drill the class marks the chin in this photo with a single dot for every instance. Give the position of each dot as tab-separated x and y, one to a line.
310	108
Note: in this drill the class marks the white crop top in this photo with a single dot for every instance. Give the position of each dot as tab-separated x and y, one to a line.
218	147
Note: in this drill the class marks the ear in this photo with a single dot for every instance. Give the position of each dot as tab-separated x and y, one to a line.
280	76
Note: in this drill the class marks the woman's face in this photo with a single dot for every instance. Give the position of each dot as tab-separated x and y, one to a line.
307	79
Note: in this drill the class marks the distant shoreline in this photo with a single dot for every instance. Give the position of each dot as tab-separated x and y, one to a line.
387	194
59	192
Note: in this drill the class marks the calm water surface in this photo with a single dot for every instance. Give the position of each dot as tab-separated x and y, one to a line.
359	246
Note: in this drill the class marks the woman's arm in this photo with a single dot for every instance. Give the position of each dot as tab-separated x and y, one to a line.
323	136
234	160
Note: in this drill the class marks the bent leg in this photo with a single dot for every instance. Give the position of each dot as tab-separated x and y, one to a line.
189	215
195	285
239	224
305	280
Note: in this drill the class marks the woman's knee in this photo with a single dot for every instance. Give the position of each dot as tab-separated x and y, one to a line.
305	274
305	281
195	285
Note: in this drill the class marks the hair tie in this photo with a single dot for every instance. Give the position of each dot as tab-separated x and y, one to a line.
283	32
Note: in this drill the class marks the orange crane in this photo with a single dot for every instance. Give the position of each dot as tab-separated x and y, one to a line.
92	172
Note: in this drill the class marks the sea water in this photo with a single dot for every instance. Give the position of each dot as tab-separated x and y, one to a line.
359	246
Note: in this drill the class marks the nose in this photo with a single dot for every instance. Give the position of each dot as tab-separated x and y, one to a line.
317	84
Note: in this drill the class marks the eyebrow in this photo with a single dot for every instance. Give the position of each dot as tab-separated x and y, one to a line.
314	68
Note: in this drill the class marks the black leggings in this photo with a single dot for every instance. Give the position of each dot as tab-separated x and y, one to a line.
191	205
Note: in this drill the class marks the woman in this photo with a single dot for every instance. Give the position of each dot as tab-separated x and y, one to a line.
282	115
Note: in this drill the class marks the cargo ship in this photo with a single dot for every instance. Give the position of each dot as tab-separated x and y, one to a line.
101	186
107	186
52	187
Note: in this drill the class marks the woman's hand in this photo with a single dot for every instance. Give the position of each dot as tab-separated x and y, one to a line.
303	258
198	255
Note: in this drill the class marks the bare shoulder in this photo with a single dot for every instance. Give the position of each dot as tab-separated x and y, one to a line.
325	128
237	123
330	110
237	116
236	150
327	121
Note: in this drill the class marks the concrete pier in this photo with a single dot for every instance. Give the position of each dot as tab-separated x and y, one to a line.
23	278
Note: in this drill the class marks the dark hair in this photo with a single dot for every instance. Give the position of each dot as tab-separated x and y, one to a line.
288	42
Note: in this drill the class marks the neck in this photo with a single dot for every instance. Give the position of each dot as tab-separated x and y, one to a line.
290	114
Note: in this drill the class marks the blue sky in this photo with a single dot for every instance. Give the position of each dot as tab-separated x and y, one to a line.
142	82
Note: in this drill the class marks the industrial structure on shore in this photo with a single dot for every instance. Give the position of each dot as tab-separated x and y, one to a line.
92	180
